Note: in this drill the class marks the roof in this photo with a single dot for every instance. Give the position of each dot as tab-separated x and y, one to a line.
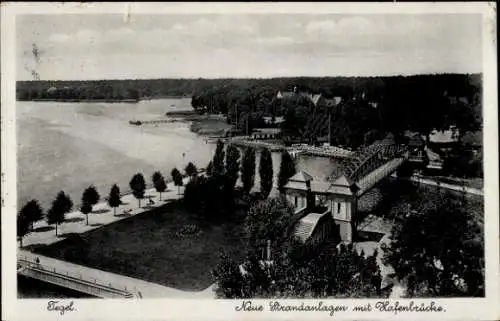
301	177
442	137
342	181
306	225
315	99
432	156
299	181
322	187
288	94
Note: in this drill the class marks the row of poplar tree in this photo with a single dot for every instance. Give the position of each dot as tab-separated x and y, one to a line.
213	194
33	212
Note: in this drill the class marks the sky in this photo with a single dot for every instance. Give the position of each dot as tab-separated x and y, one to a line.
105	46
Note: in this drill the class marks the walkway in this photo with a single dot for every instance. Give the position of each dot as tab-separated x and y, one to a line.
138	288
453	187
102	214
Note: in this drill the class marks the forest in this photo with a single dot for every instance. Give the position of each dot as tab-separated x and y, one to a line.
369	107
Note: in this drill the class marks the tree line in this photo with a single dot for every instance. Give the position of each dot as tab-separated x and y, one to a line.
296	270
368	110
32	211
436	250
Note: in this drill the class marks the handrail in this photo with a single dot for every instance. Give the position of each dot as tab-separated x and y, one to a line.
74	277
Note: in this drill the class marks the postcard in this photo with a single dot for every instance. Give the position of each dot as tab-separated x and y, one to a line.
249	161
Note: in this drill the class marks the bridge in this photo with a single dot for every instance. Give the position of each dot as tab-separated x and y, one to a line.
361	171
365	168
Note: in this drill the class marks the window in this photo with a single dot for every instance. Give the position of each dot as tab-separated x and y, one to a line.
338	208
296	201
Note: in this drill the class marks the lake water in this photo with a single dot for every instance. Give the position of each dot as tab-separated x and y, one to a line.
68	146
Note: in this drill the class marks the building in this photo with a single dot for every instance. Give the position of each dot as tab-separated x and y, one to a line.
273	120
416	145
318	100
443	139
266	133
336	199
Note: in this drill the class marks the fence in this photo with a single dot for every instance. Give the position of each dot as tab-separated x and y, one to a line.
71	280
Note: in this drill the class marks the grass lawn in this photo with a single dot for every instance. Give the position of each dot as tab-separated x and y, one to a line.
147	247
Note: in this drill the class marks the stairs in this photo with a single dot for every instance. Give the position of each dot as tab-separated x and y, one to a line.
304	230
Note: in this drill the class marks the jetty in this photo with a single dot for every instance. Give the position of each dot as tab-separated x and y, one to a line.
151	122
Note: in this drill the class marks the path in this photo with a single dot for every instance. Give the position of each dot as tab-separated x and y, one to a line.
117	281
432	182
44	234
103	215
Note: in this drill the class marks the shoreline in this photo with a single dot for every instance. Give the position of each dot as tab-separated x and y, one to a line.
85	100
77	100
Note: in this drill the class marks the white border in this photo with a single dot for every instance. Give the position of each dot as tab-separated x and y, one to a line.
462	309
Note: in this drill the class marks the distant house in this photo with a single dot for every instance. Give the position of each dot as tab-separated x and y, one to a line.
318	100
294	93
416	145
458	99
443	139
266	133
275	120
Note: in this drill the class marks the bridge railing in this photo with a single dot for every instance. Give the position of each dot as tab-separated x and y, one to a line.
68	279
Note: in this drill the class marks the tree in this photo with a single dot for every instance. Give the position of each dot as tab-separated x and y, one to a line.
114	198
229	279
232	166
177	178
301	271
159	183
438	249
138	186
191	170
23	225
248	169
90	197
268	220
210	168
60	206
266	172
32	212
86	208
218	159
287	169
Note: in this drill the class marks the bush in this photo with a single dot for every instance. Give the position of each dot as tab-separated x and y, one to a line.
187	231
